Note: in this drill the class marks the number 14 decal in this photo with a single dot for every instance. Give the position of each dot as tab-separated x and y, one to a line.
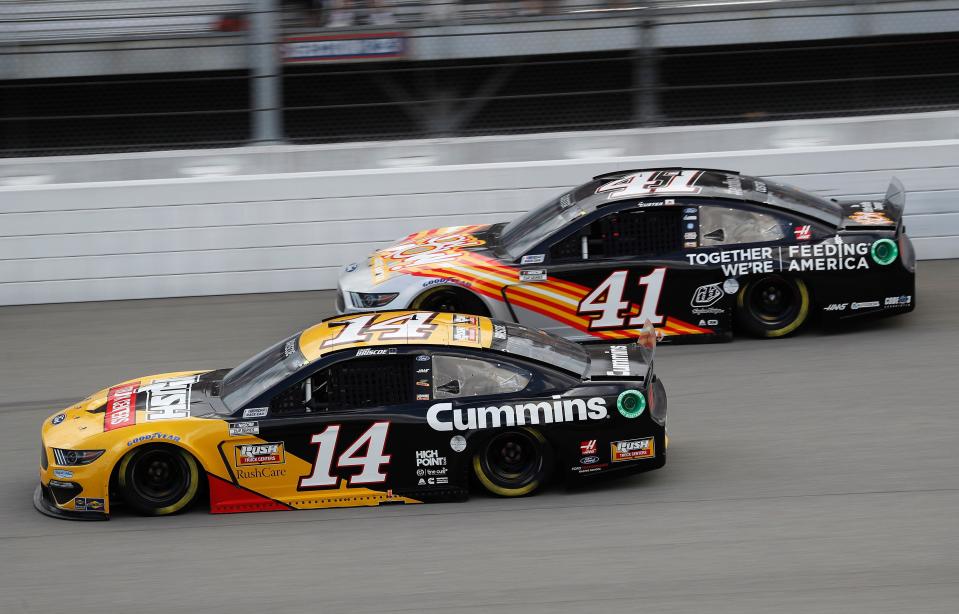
607	301
375	440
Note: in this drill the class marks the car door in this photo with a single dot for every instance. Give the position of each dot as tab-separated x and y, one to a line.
622	266
735	242
340	435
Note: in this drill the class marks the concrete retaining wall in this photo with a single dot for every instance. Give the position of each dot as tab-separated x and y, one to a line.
278	232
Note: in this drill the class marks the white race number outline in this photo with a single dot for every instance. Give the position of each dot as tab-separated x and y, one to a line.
374	438
653	182
607	301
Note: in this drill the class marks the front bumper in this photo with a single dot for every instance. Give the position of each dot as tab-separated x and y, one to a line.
43	501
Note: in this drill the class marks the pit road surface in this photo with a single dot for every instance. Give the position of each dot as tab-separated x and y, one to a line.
811	474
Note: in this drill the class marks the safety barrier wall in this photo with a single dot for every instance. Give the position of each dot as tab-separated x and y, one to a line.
293	231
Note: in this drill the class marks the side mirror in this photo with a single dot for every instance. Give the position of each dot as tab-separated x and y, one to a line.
450	387
717	235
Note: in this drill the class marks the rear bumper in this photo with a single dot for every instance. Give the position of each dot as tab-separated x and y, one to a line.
43	502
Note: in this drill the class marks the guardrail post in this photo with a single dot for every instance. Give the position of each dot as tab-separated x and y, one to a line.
266	74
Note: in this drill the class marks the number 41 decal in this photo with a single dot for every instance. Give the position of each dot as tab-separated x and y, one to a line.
607	301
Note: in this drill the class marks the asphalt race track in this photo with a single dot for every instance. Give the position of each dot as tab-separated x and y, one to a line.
812	474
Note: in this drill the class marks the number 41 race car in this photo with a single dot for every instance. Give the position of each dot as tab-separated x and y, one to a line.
695	252
365	409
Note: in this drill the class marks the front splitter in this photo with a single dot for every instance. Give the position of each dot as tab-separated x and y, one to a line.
47	508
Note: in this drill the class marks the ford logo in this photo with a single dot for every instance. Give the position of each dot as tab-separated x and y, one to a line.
589	460
58	418
350	267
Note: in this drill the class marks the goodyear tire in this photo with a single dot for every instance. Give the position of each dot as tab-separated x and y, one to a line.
450	300
513	463
158	480
772	306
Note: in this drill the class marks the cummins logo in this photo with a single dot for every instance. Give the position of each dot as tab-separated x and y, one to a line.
619	357
443	417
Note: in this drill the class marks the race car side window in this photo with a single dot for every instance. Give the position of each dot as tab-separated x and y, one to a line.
371	382
728	226
623	234
307	396
458	376
351	384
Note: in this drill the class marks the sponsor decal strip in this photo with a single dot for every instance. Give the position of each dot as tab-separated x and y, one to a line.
121	407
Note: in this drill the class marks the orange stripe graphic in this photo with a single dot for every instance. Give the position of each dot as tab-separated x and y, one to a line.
489	277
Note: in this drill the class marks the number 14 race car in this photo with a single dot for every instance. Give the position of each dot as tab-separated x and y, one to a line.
695	252
365	409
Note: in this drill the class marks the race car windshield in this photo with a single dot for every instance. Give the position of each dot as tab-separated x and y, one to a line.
532	228
544	347
260	373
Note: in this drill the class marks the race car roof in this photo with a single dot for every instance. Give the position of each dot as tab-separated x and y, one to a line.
393	328
652	184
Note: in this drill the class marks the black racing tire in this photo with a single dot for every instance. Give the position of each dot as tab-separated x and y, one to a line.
772	306
449	299
514	463
158	480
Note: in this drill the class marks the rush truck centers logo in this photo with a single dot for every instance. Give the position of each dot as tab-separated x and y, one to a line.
269	453
121	407
632	449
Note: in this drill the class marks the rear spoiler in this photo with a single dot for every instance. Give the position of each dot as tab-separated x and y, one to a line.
876	215
625	360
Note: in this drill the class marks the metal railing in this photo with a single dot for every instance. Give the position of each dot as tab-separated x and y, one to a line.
91	76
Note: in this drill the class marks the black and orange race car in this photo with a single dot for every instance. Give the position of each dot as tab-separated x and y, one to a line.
696	252
364	409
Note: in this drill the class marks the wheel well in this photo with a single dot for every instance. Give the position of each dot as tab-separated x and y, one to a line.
552	441
801	284
451	288
115	472
752	278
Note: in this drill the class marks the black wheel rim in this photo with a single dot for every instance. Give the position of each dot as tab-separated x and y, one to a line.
512	458
774	301
159	476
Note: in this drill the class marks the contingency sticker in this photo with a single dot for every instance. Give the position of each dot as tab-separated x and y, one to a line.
632	449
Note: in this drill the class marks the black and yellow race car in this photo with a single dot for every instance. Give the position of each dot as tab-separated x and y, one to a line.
359	410
697	252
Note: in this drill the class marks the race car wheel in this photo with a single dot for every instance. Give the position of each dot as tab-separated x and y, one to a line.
772	306
158	480
513	463
451	300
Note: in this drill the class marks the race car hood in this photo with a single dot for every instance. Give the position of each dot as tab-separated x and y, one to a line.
423	253
143	400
